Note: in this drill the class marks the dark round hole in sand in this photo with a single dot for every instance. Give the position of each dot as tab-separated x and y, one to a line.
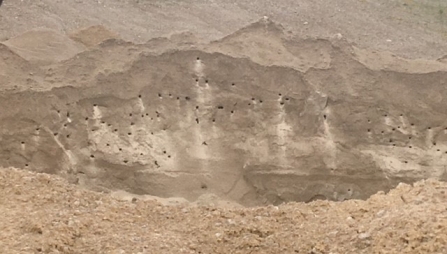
92	156
139	96
187	98
233	84
55	134
129	133
86	119
198	58
23	143
203	186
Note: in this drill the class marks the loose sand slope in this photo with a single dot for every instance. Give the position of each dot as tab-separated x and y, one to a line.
60	218
408	27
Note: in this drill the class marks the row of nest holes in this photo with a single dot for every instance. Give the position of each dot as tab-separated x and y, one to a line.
120	149
126	161
187	98
412	124
392	129
410	146
398	127
158	115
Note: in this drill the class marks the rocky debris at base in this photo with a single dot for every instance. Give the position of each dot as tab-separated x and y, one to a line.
42	213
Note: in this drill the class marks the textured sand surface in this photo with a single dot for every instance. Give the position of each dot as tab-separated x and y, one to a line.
56	217
406	27
200	124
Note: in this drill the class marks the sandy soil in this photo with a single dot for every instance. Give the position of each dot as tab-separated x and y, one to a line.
67	76
56	217
406	27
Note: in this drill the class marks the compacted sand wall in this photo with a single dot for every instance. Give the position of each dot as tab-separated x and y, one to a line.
257	117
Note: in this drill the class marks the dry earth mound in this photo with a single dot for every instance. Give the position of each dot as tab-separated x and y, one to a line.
60	218
300	120
44	46
93	35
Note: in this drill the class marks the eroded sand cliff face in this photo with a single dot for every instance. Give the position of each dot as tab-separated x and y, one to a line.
294	120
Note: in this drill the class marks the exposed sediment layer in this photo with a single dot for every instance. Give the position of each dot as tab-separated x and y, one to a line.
294	120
